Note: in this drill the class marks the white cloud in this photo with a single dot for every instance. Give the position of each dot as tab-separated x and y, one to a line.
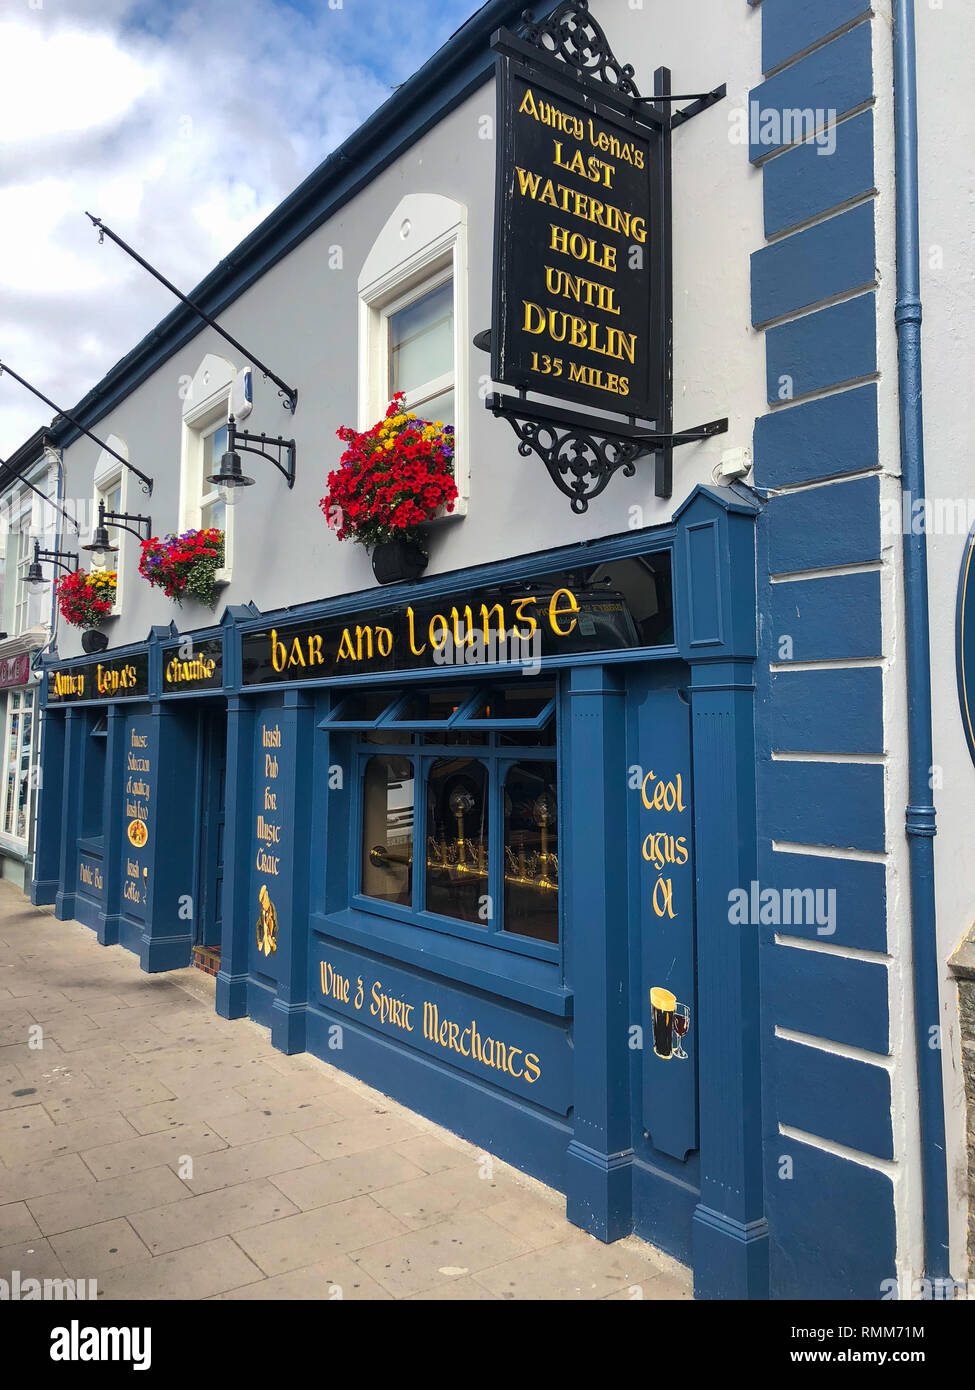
182	125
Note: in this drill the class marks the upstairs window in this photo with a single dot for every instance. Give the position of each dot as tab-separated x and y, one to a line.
413	323
206	411
213	509
111	489
420	345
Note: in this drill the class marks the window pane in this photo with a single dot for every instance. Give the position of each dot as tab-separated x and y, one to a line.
436	408
387	829
524	701
421	340
531	849
23	784
214	448
457	838
429	706
363	706
10	790
214	514
113	503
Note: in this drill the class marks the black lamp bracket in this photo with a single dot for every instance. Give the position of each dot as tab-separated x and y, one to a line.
120	518
583	453
241	441
56	558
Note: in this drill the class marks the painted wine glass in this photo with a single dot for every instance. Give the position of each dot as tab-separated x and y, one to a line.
682	1021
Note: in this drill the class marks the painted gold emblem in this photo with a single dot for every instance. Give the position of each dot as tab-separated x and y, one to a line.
267	924
138	834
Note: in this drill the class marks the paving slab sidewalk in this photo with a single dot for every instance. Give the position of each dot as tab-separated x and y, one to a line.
165	1152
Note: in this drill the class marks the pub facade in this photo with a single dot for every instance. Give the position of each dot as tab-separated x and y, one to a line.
584	837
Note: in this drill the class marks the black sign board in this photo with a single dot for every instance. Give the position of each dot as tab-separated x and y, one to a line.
121	678
609	607
190	666
577	242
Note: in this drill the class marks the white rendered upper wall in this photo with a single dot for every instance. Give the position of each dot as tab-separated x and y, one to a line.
303	318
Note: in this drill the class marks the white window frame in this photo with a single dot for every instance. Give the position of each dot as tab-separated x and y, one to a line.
20	697
205	408
109	475
24	530
422	246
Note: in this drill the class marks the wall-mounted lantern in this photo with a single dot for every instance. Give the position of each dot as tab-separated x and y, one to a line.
231	474
101	545
60	559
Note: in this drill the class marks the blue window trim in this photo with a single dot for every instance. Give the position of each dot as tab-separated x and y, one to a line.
502	757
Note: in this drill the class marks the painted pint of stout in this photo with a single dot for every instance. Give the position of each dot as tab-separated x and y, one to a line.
663	1006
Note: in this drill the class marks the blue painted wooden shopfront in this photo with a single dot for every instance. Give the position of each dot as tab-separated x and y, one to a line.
538	1043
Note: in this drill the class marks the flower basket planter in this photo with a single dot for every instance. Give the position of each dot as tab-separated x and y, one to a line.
185	565
394	478
393	561
86	600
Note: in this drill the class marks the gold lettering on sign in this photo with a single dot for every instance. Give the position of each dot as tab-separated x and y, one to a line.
587	180
467	1040
198	669
269	832
660	848
68	685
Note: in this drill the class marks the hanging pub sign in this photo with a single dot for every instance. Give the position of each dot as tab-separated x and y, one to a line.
122	678
577	255
583	298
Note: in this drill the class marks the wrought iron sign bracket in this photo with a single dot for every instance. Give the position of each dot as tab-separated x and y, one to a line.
248	444
698	103
581	453
575	83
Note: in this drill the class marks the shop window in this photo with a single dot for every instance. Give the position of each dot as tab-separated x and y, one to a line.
206	410
17	743
413	330
387	829
531	851
457	839
472	789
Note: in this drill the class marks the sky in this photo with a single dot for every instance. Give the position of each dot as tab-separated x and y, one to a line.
181	124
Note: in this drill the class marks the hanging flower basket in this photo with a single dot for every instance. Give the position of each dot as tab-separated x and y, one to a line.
184	566
86	600
393	478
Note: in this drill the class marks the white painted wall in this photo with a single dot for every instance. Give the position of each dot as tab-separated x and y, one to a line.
302	319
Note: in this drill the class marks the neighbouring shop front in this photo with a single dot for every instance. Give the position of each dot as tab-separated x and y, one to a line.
430	830
18	695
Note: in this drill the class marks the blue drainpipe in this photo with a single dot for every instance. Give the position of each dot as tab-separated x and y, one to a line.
920	817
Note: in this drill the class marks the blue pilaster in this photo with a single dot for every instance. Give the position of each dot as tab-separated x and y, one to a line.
600	1154
113	822
715	594
231	993
74	736
167	935
289	1009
